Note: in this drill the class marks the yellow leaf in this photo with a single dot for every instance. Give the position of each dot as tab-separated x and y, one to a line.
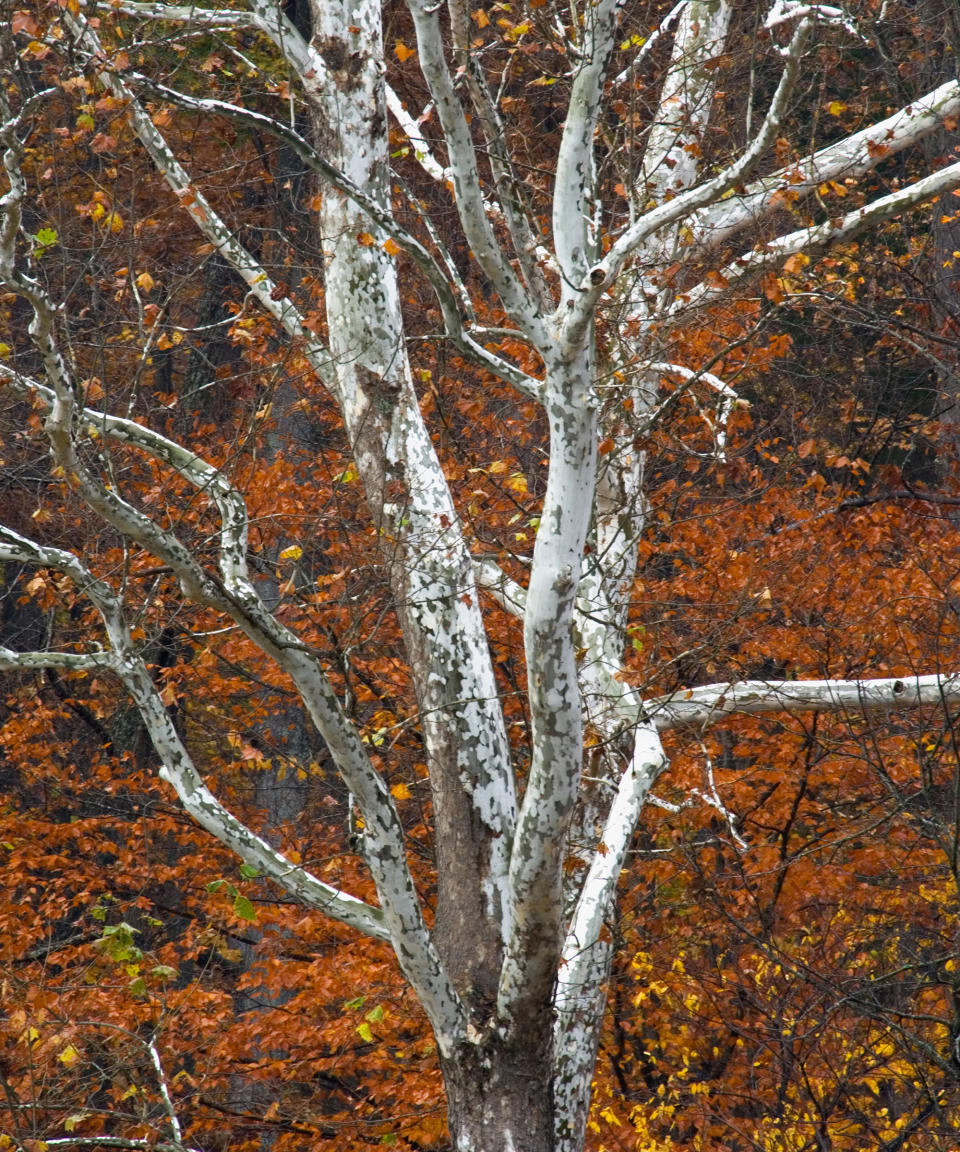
145	282
69	1055
517	482
835	108
294	552
365	1033
400	792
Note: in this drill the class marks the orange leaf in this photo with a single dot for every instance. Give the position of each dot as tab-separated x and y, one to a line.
795	263
403	53
391	247
23	22
772	289
103	143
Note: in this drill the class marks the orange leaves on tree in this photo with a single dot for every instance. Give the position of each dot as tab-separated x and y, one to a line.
22	21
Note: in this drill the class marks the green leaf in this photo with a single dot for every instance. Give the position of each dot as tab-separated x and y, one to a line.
163	972
117	942
375	1015
215	885
244	909
46	237
248	871
358	1003
138	987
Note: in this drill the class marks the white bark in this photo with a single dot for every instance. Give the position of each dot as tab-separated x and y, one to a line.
702	706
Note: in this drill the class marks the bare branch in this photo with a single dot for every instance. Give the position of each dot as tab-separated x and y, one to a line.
848	158
466	177
833	231
664	215
383	217
706	705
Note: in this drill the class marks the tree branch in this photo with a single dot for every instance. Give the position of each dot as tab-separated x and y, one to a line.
830	232
177	767
606	271
466	176
382	217
850	157
706	705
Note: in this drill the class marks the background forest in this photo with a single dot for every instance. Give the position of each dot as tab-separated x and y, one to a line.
786	942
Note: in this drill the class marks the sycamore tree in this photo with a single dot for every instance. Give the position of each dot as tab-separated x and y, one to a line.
694	166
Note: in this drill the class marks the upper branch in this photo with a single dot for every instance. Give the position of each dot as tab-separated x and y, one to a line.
466	176
852	156
831	231
271	297
383	217
517	216
575	167
606	271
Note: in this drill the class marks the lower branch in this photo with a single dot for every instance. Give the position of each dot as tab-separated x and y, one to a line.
713	702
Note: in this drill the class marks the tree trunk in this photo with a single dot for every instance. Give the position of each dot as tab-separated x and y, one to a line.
500	1094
